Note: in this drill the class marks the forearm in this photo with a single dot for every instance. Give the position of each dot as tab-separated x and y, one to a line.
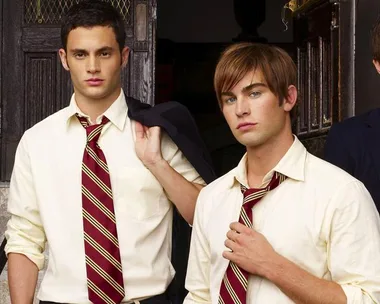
301	286
22	278
180	191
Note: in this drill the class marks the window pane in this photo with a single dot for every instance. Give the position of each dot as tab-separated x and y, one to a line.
51	11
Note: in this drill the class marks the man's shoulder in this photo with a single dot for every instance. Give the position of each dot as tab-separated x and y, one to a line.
222	183
48	124
325	174
358	122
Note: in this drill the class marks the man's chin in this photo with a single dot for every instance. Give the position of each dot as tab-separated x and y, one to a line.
94	93
251	142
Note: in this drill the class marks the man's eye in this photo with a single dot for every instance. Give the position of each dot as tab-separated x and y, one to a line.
79	55
230	100
105	54
255	94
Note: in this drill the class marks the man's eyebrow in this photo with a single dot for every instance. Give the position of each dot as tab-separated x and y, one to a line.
252	86
246	89
78	51
227	94
105	48
102	49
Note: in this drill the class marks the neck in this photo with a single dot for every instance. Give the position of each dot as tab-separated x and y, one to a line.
95	107
261	159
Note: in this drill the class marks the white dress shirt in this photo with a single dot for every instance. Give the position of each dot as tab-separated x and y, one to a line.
45	203
320	217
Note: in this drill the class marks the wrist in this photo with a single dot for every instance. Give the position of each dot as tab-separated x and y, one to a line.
156	164
273	268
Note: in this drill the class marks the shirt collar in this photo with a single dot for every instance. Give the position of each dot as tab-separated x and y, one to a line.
116	113
292	165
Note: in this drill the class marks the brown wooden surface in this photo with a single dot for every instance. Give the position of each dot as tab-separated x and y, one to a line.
324	40
34	84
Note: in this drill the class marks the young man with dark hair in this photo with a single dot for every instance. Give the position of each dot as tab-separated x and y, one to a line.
284	226
94	184
353	144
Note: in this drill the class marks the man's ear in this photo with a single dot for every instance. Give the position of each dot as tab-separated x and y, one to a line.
124	56
291	100
63	56
377	65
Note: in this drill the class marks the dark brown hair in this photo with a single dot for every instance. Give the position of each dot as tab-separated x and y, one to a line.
276	66
90	13
376	40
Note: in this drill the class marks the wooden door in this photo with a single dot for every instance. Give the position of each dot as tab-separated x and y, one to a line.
33	82
324	37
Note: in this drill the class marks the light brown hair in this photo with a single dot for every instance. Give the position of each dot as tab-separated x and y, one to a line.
276	66
376	40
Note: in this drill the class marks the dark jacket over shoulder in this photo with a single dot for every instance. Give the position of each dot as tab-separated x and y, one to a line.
354	146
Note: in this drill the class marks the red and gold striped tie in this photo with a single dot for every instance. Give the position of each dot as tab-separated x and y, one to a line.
235	281
103	266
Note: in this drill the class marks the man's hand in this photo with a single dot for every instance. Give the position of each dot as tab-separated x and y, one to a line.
148	144
250	250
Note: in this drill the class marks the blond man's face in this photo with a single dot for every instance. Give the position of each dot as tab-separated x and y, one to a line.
253	112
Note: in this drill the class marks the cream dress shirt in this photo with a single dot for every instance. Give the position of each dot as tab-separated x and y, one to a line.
321	218
45	204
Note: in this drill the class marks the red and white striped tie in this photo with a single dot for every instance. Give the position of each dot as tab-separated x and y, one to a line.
103	265
235	281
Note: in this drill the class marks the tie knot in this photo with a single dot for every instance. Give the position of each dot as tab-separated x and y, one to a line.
253	195
93	132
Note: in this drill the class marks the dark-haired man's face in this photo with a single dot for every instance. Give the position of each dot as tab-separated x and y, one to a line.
94	60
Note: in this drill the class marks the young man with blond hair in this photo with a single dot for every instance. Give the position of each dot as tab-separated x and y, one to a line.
283	226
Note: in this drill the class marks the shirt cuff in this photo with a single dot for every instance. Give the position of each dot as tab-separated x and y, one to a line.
37	259
31	244
356	295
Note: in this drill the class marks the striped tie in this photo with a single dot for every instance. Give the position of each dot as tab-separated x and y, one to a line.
103	266
235	281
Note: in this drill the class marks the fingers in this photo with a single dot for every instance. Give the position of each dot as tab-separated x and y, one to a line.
155	132
144	131
232	235
139	130
240	228
231	245
228	255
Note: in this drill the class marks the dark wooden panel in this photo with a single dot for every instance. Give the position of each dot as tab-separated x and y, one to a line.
314	82
12	86
141	77
324	35
326	89
317	42
343	31
315	145
41	38
40	74
302	126
142	80
125	79
1	79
